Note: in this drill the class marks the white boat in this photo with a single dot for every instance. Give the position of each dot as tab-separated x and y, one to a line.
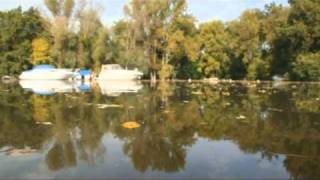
115	88
116	72
46	72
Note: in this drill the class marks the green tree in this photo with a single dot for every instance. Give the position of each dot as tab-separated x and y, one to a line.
214	58
60	25
17	30
307	67
89	28
40	50
155	29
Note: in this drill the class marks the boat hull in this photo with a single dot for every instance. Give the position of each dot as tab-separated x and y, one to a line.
120	75
46	75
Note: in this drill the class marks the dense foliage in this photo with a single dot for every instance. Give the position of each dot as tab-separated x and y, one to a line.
17	31
161	38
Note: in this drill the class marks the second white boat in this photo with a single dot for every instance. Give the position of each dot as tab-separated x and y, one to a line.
116	72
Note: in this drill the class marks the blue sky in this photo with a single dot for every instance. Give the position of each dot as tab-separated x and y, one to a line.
203	10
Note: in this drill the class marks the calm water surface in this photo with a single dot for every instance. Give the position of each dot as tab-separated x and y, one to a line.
72	130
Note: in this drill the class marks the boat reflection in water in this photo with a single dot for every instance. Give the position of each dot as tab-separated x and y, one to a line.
109	88
50	87
115	88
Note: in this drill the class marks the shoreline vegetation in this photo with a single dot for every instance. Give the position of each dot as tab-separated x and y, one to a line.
166	42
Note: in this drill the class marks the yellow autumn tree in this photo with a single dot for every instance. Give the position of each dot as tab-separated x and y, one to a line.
40	50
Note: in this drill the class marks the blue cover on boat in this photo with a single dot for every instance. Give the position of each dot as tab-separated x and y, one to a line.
85	72
44	66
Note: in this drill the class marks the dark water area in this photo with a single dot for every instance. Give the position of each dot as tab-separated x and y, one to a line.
186	130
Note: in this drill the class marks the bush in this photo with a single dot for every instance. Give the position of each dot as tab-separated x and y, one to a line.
307	67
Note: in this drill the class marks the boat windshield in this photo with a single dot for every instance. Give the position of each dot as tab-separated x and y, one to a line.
112	67
43	67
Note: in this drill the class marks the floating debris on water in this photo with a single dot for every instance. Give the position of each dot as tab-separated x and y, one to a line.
226	93
185	101
131	125
275	109
71	96
44	123
197	93
166	111
262	91
104	106
131	107
203	123
20	152
294	87
241	117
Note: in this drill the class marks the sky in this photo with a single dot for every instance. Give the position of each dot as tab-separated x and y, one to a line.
203	10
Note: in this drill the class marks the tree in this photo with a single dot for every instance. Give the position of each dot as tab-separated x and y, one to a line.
100	48
214	59
303	33
248	44
62	12
275	25
40	51
89	29
307	67
153	29
17	30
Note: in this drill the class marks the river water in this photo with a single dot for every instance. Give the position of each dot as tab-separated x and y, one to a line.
183	130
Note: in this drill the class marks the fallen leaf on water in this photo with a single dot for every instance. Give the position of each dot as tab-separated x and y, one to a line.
131	125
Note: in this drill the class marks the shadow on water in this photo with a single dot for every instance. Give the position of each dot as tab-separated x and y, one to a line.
273	127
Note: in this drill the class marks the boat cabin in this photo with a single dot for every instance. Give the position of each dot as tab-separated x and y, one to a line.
111	67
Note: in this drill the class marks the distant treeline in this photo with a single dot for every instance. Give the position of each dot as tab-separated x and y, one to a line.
161	38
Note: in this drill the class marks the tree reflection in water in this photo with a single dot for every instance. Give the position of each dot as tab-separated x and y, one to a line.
281	120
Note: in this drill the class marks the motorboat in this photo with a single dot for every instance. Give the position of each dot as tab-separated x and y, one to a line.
116	88
116	72
46	72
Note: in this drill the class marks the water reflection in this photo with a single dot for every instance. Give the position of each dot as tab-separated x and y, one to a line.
48	87
115	88
187	130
